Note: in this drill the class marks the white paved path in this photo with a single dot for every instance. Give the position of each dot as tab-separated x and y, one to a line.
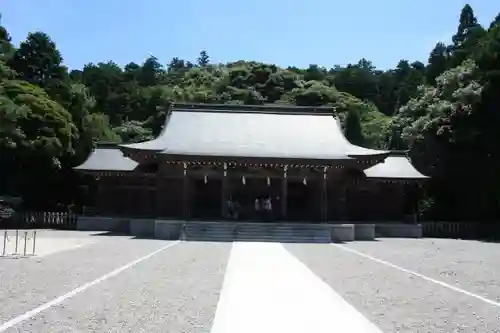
266	289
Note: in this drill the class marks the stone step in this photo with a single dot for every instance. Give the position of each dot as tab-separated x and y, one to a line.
211	231
256	232
281	228
284	232
271	232
283	240
282	236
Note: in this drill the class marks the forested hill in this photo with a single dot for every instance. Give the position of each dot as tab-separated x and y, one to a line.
444	109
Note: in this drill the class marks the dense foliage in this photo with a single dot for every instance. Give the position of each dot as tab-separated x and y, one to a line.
445	111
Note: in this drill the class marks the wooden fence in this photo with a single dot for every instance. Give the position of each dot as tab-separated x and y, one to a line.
462	230
40	220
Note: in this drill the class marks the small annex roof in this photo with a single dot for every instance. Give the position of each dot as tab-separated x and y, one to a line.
397	166
107	158
250	131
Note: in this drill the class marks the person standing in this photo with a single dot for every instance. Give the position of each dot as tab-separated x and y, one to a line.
257	208
269	208
230	208
237	210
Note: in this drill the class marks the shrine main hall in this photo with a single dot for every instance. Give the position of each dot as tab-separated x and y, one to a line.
208	154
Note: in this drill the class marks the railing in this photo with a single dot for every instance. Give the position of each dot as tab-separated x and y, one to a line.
42	220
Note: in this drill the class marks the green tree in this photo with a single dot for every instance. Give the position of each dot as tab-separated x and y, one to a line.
6	47
36	136
105	82
495	22
133	131
203	59
38	62
358	80
314	73
151	72
46	128
353	131
408	77
438	126
81	106
437	63
468	34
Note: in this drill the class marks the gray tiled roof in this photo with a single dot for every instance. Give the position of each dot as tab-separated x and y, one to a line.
397	167
107	159
112	159
275	134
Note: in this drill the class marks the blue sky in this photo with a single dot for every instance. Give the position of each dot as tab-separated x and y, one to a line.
285	32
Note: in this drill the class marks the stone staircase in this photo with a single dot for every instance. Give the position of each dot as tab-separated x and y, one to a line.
209	231
256	232
284	233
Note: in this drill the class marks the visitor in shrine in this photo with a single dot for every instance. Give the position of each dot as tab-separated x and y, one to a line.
257	208
267	208
230	208
236	210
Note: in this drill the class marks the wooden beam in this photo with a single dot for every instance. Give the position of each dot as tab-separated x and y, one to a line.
224	191
324	197
284	193
185	193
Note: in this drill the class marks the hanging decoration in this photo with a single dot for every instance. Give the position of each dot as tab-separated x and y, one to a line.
185	168
324	172
225	169
206	179
268	181
304	181
243	180
285	169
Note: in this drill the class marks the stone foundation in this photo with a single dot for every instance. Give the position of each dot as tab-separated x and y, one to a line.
169	230
342	232
364	232
172	229
100	223
398	230
142	228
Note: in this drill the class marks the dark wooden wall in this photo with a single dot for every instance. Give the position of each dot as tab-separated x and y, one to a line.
168	193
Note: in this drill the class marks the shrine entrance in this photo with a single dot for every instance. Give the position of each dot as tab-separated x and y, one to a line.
246	190
206	196
303	200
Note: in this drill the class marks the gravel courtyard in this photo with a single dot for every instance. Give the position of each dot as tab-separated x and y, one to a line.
108	283
398	301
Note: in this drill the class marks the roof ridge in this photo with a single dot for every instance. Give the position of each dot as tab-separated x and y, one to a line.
245	108
401	153
106	145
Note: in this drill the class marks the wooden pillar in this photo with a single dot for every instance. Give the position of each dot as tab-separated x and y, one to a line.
159	191
343	202
98	203
185	193
284	193
324	196
418	195
410	203
143	192
224	191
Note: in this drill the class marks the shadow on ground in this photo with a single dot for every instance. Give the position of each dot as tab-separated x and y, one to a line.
222	239
120	234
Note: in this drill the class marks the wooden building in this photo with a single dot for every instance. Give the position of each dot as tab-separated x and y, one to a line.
209	154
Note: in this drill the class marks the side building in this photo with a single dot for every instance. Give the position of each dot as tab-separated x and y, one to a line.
208	155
